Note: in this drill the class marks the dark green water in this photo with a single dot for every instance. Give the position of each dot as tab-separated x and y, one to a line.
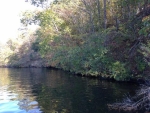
55	91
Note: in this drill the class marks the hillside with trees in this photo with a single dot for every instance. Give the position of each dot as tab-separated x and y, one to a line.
99	38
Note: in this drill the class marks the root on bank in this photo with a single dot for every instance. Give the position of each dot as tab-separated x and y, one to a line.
141	101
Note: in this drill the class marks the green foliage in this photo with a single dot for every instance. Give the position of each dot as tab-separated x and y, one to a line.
119	71
71	37
145	50
81	59
91	58
141	64
35	45
145	27
44	46
28	18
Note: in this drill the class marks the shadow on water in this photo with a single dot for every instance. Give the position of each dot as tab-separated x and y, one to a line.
36	90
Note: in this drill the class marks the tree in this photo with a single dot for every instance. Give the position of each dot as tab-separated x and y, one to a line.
105	17
99	13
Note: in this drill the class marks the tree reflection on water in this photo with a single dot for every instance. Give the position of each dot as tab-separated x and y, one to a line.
16	93
28	105
53	91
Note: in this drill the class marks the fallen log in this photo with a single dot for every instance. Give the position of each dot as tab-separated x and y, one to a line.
141	101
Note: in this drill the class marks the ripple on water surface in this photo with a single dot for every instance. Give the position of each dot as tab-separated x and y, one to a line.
11	102
16	95
54	91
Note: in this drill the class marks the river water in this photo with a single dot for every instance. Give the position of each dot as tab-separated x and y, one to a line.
37	90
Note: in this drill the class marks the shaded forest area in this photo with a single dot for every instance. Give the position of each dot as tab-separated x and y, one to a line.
99	38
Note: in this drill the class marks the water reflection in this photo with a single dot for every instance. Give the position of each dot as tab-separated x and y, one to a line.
16	92
55	91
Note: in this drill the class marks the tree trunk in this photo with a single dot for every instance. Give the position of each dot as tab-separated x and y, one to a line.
117	23
105	17
89	12
99	13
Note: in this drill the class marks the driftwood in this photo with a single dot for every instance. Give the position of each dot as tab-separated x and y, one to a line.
141	101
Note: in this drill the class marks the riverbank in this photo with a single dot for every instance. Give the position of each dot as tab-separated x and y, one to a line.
119	50
131	81
93	58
